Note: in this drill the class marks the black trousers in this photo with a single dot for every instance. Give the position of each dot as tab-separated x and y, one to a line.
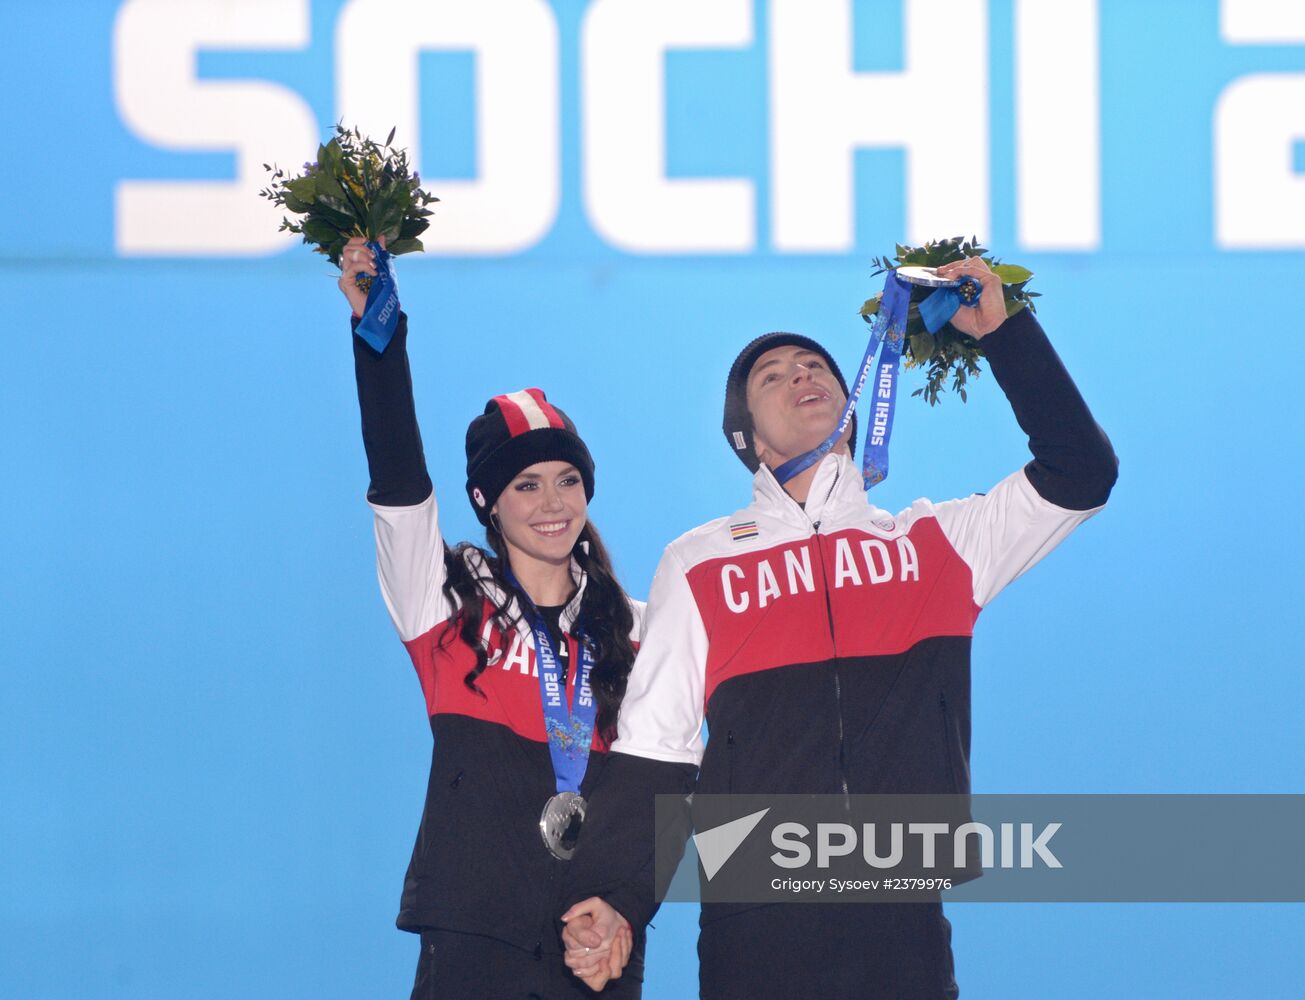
457	966
835	951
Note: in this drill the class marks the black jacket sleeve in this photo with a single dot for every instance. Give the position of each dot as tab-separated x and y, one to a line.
389	422
629	848
1074	465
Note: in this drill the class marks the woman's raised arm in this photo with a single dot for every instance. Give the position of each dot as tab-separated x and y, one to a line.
409	548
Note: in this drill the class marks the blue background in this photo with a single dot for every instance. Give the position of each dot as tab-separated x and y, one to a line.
212	748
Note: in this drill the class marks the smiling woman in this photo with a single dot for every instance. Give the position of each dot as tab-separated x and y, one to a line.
540	516
523	648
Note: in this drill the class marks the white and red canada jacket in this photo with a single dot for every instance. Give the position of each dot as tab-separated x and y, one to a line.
828	648
478	864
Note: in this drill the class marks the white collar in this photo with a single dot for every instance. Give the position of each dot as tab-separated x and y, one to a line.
837	481
491	589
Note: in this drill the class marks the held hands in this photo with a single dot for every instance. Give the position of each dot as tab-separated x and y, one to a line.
598	942
990	313
356	259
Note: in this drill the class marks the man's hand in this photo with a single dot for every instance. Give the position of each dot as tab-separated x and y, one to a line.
598	942
978	321
357	258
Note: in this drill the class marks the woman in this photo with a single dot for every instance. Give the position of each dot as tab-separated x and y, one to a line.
485	628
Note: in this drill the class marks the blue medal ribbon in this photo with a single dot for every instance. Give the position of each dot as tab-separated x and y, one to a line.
942	305
874	456
888	328
381	314
570	732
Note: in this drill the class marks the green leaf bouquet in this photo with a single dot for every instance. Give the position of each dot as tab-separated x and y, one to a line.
356	187
947	352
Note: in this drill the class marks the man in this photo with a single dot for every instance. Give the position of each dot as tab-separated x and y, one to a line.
827	644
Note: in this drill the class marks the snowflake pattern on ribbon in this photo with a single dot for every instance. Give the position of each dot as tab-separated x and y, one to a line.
573	737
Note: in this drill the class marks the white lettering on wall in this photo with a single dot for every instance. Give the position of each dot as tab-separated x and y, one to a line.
160	101
1259	200
628	196
1057	124
821	112
513	200
1267	22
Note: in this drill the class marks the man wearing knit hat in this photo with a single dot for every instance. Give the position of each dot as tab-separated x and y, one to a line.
781	392
826	642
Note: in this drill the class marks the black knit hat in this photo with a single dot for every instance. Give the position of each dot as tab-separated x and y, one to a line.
515	431
738	418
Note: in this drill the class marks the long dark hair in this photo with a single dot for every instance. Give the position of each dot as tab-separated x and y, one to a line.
604	612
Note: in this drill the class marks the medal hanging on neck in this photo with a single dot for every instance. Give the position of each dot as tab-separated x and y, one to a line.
888	329
570	733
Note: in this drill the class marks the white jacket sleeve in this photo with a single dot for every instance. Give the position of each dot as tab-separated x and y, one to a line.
410	565
1002	533
662	714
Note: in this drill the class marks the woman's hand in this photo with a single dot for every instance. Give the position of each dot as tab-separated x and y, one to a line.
357	259
978	321
598	942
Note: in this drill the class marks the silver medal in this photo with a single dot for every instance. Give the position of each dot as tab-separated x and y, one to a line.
560	823
926	276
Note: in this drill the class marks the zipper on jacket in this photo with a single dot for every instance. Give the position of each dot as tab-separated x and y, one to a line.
729	755
838	684
947	741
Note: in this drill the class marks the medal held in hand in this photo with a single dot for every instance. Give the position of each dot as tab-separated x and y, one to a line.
930	341
910	320
358	187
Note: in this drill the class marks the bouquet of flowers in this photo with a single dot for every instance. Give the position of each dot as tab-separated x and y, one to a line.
356	187
948	351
